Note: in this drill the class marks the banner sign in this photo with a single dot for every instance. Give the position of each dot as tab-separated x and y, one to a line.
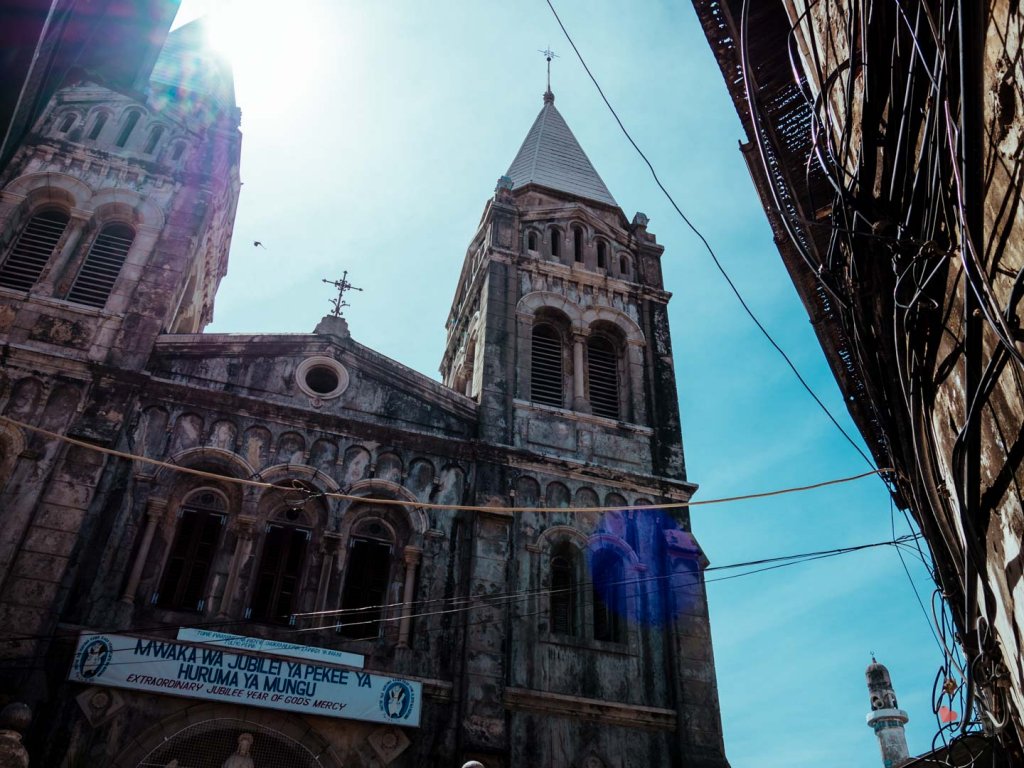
240	677
259	644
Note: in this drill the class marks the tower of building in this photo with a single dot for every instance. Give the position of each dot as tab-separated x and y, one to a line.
886	718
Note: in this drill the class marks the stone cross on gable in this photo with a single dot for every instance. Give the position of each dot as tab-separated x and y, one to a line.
342	286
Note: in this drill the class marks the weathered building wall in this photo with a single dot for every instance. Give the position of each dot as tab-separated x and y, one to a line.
903	239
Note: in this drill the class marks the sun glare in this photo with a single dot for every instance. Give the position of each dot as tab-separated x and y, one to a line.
271	46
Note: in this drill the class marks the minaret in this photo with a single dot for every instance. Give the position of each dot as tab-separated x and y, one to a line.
886	718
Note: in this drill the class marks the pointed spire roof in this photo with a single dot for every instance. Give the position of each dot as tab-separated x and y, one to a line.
551	157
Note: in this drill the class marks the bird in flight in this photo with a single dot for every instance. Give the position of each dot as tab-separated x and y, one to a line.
258	244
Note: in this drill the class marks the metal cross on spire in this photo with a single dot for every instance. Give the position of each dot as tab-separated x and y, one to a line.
342	286
549	55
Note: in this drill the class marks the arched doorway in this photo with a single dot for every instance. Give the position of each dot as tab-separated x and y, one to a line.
229	743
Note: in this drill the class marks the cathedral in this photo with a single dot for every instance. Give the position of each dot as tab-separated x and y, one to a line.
229	550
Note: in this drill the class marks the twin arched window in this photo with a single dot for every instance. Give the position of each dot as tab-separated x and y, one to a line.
547	371
603	601
38	242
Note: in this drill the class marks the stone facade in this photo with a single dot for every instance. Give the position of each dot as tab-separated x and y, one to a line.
562	638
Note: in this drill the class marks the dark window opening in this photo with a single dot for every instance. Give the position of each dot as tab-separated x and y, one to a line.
33	249
178	149
321	379
624	266
99	272
129	126
556	243
68	122
603	370
101	120
277	581
154	139
602	255
531	241
563	596
366	587
577	244
609	597
546	378
183	587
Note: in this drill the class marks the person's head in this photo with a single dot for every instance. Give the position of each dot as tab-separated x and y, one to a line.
244	743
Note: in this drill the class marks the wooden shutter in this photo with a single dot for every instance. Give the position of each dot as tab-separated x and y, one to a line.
546	377
195	545
34	247
98	274
603	369
366	585
280	574
563	596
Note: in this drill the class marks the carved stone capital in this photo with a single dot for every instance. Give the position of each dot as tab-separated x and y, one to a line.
330	543
411	555
156	508
245	526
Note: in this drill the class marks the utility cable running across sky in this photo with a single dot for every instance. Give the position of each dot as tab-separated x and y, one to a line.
710	250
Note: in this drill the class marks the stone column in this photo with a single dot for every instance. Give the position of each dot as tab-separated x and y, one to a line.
59	267
245	530
329	546
579	400
155	511
411	555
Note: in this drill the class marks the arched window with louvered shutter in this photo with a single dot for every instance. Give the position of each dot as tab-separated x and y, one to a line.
102	265
33	248
126	131
279	576
563	605
547	380
603	373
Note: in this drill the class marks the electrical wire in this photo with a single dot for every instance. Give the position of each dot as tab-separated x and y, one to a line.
714	257
309	495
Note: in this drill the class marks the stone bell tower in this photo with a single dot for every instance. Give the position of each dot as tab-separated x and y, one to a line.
886	718
559	327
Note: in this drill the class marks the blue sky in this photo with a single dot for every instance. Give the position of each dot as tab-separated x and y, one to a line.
373	135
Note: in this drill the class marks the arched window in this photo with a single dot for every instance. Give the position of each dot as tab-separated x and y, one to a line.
563	606
154	139
546	378
99	272
603	372
367	576
176	153
97	126
33	248
69	121
280	574
129	126
624	266
577	244
531	241
602	255
556	243
200	521
609	604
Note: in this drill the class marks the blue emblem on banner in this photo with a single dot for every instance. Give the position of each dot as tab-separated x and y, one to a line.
94	658
396	700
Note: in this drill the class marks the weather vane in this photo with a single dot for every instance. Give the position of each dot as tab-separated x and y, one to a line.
342	286
549	55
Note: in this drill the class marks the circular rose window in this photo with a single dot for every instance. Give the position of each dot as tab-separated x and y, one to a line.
321	377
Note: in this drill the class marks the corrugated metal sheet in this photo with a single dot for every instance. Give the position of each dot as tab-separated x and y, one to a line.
551	157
